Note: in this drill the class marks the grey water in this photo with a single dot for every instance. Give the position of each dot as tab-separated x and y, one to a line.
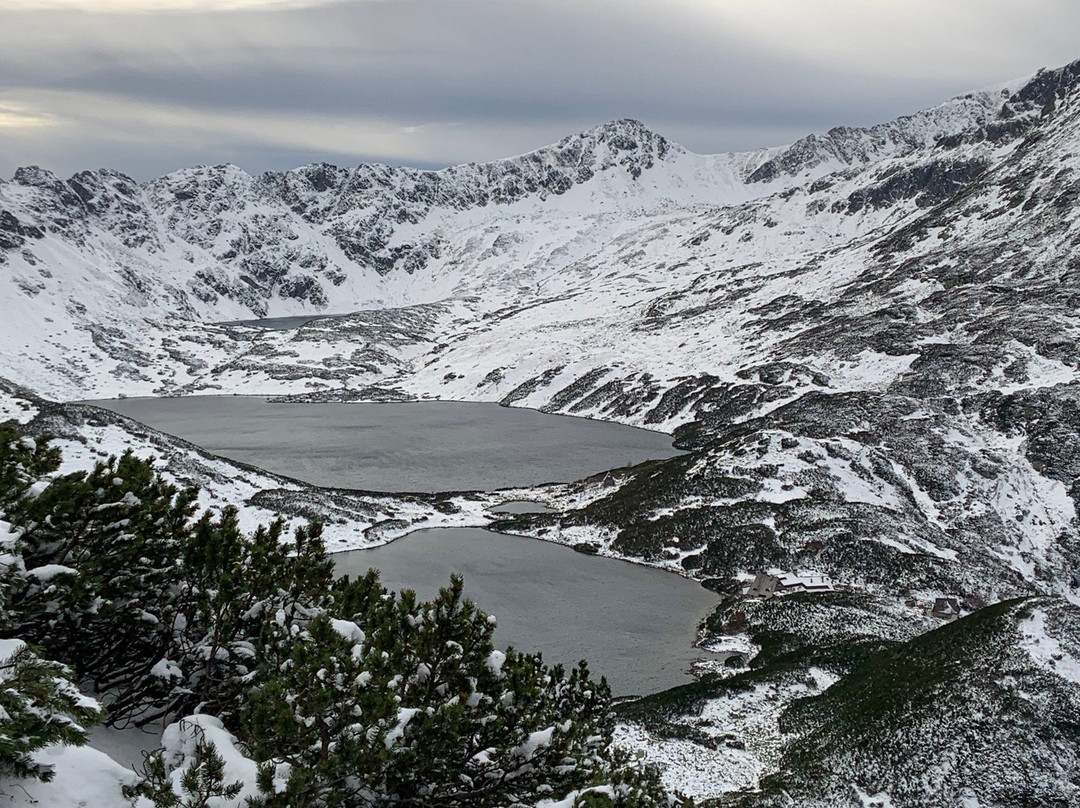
635	625
283	323
414	446
522	506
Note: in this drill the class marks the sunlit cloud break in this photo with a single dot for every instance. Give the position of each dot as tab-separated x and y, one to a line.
18	116
158	6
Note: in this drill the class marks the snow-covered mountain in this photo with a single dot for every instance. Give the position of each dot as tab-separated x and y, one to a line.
617	219
867	340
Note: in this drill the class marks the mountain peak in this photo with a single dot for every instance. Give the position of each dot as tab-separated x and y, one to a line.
620	128
36	177
1043	90
994	114
622	135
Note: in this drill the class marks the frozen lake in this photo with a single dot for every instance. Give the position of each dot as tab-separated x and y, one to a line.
415	446
283	323
635	625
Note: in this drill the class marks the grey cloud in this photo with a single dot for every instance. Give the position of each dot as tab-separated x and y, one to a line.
149	161
517	66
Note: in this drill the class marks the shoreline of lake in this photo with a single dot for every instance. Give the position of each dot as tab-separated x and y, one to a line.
403	447
649	618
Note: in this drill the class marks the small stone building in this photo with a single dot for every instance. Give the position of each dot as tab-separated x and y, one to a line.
790	583
767	586
947	609
763	586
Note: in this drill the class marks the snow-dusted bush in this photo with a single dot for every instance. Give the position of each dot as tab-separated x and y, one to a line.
39	706
337	692
116	534
197	766
409	703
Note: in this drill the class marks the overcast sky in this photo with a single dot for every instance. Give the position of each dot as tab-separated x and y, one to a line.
148	86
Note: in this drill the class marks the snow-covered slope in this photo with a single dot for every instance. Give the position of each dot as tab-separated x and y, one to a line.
980	712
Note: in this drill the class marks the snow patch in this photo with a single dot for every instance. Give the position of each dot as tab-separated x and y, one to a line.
49	571
84	778
1046	650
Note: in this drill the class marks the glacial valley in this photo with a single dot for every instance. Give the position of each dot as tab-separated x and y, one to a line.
865	346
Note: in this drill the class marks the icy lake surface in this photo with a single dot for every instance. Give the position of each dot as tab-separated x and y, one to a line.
416	446
522	506
634	624
283	323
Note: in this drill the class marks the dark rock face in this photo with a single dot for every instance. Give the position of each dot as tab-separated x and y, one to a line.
303	287
89	200
524	389
1049	418
1043	92
13	233
928	184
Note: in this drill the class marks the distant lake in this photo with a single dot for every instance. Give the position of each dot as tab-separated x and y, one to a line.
283	323
415	446
522	506
633	624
